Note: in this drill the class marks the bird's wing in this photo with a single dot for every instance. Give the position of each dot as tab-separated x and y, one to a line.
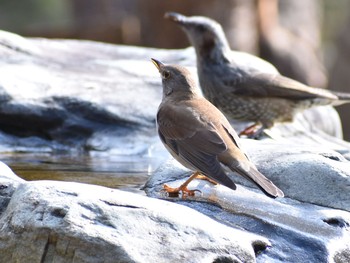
197	143
269	85
234	137
251	62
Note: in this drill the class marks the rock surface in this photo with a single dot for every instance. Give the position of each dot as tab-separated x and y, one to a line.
66	95
298	229
47	221
56	94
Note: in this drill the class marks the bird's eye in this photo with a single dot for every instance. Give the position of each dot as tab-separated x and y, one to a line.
166	74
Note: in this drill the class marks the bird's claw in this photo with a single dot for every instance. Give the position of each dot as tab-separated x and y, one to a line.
175	191
253	132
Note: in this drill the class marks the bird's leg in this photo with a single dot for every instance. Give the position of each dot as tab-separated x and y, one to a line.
249	130
174	192
203	177
253	132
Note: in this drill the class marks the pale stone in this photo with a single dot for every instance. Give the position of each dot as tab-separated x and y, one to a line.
48	221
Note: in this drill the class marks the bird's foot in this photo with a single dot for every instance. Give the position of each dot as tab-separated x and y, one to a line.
254	131
203	177
175	191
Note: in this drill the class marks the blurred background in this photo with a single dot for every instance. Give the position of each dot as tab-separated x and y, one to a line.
307	40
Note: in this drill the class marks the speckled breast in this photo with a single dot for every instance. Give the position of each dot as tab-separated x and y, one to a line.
264	110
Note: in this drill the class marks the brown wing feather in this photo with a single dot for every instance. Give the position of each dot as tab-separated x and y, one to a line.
196	144
268	85
205	162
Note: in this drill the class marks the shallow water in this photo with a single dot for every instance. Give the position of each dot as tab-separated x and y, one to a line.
127	173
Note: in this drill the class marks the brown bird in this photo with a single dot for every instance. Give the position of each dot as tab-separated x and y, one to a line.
243	86
199	136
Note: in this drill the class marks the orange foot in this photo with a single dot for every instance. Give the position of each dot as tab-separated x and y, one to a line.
175	191
253	131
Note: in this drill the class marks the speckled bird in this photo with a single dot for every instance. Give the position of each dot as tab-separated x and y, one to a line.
199	136
243	86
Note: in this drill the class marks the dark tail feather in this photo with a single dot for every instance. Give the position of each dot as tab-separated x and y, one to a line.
226	181
262	182
222	178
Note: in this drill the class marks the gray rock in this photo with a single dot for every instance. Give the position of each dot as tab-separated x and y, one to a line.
309	174
48	221
298	231
81	95
86	96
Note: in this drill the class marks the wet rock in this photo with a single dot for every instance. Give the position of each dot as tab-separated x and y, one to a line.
79	95
87	96
298	230
310	174
60	94
48	221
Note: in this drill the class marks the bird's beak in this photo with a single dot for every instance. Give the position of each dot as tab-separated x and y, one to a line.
175	17
157	63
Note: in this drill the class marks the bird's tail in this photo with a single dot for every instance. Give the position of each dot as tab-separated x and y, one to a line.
261	181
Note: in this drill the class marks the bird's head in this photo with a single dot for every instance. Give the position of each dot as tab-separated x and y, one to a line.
205	34
177	81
